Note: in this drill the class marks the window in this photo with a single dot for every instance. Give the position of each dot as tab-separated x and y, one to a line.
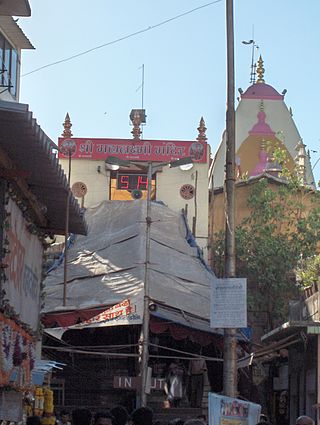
9	67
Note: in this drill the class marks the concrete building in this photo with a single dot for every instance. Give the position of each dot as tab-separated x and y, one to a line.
12	42
182	188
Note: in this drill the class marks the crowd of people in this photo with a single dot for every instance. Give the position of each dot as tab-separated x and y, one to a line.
301	420
140	416
115	416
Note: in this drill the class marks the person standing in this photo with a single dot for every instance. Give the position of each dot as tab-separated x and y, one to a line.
197	369
174	384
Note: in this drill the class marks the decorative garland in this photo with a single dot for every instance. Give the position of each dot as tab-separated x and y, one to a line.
17	349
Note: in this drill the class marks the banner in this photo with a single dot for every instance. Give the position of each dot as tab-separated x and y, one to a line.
24	269
232	411
127	312
132	150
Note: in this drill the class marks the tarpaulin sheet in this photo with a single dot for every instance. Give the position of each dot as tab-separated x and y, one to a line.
108	265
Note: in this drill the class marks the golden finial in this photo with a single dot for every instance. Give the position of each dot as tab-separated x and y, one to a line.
261	106
67	127
136	121
202	131
260	70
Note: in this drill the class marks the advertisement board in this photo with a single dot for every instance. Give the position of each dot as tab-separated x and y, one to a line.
132	150
232	411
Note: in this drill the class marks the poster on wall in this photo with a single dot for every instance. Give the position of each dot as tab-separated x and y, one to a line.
232	411
17	354
24	269
229	303
11	406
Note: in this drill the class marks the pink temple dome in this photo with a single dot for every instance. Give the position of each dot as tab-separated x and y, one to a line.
261	91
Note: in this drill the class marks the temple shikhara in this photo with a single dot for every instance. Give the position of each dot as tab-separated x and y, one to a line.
263	123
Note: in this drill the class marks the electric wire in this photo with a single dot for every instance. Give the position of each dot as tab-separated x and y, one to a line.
118	40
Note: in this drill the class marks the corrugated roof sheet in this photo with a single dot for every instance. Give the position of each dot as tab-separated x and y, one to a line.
30	149
14	33
15	8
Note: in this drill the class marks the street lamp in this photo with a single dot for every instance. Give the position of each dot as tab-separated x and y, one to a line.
144	338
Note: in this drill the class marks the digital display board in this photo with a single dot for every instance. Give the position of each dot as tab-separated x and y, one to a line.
132	181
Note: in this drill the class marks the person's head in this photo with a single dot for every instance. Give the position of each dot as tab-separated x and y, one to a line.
33	420
142	416
120	414
104	418
194	421
65	417
304	420
202	418
177	421
263	422
81	417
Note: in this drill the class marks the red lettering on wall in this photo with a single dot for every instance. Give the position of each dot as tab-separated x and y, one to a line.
15	260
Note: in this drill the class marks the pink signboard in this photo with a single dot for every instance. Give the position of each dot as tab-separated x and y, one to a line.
132	150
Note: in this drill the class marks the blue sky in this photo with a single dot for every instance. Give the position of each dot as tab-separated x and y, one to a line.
184	60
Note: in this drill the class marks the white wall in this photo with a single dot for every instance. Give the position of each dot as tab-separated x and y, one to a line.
168	184
85	170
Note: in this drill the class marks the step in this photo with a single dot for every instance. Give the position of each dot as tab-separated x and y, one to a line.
164	416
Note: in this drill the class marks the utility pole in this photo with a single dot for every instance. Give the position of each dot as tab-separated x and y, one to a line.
144	339
230	348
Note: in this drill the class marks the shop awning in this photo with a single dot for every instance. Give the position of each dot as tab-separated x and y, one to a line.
288	334
13	31
30	149
41	368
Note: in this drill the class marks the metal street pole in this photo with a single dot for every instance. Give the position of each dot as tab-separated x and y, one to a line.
230	347
146	313
66	232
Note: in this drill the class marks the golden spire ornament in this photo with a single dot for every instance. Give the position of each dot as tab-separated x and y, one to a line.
260	71
67	127
202	131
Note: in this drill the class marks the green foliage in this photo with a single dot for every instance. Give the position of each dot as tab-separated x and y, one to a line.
308	271
274	242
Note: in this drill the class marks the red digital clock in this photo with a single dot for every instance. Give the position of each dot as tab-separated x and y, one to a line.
132	181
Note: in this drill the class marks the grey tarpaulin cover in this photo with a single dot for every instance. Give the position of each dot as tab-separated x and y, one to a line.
108	265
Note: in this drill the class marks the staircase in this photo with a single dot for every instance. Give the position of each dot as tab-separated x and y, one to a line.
163	416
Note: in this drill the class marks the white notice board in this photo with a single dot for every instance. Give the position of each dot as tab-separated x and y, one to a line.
229	303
